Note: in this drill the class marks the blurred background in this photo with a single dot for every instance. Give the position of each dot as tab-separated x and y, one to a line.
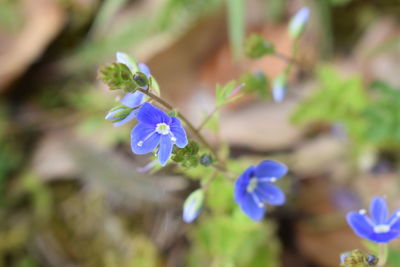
70	190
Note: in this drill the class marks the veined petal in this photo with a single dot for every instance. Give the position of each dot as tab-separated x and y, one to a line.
360	225
144	138
165	149
151	115
133	99
144	69
178	132
270	194
269	169
128	118
378	210
241	184
251	208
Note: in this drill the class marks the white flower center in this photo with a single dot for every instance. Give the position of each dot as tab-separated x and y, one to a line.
252	185
162	128
381	228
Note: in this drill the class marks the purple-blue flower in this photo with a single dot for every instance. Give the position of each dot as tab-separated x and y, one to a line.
157	130
255	188
380	227
130	100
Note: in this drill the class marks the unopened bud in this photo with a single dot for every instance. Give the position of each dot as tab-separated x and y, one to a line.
118	113
206	159
279	87
193	205
298	23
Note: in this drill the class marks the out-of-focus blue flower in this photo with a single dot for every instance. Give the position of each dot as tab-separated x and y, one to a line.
157	129
254	188
193	205
279	87
298	22
380	227
130	100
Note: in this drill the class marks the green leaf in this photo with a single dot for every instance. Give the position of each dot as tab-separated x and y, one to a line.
255	82
256	47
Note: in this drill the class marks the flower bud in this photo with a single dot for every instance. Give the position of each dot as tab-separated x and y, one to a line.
141	80
118	113
117	76
206	160
279	87
298	23
256	47
193	205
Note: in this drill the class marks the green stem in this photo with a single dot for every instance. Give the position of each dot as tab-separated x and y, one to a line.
289	67
383	254
193	129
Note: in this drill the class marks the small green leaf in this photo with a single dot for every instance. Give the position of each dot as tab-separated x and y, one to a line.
256	47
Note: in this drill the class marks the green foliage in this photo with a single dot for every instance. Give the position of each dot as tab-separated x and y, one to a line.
225	94
117	76
256	47
187	156
383	116
232	241
255	82
181	13
337	99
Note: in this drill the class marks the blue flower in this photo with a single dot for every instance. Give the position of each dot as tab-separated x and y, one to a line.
254	188
157	129
130	100
379	227
298	22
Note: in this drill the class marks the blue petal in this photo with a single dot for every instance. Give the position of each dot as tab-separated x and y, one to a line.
360	225
394	218
270	194
178	132
145	69
146	134
378	210
126	60
128	118
151	115
269	169
383	237
133	99
251	208
165	150
241	184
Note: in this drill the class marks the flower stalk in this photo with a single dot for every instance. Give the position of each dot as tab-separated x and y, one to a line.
383	254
